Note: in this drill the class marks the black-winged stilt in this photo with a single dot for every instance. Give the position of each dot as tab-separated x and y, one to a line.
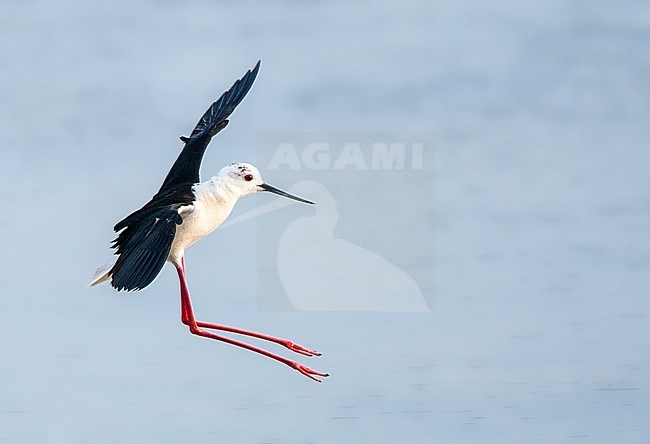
183	211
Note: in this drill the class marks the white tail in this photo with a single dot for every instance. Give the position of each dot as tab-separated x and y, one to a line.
102	274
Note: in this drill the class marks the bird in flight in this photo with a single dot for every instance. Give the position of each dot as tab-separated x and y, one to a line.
185	210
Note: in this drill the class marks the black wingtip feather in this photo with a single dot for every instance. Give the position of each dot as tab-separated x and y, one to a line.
225	105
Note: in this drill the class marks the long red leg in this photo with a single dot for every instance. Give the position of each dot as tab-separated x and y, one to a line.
284	342
187	316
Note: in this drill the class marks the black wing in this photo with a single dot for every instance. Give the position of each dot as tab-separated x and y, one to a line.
143	248
187	165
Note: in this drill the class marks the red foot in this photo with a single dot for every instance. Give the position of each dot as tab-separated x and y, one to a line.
308	372
300	349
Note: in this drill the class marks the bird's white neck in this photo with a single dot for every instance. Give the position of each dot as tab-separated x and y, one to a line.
218	191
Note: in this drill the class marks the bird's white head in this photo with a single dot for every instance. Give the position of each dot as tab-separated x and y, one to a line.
244	179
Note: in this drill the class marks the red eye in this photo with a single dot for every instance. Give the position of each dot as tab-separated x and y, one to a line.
248	177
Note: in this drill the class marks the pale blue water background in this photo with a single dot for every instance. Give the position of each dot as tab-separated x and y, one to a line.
539	330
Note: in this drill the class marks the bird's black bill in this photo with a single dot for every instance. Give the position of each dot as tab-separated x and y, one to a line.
267	187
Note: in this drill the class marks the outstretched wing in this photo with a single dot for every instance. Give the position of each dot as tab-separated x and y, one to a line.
143	249
187	165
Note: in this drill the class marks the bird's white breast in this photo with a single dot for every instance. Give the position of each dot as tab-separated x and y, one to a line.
208	211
